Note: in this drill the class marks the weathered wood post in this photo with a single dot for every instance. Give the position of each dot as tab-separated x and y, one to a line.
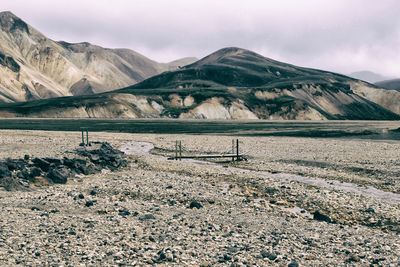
233	149
85	135
237	149
83	138
180	150
176	149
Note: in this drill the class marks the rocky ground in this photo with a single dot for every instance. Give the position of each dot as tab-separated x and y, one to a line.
190	213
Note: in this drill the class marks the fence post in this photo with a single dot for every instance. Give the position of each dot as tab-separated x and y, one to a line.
83	138
176	149
180	150
237	149
87	137
233	149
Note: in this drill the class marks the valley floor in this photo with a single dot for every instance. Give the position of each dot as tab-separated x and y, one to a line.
295	202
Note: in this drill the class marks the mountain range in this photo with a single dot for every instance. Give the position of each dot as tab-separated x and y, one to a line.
231	83
369	76
33	66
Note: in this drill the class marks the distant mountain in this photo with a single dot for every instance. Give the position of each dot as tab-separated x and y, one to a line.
232	83
390	84
368	76
176	64
34	67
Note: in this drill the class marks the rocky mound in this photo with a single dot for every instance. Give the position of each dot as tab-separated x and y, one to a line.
20	174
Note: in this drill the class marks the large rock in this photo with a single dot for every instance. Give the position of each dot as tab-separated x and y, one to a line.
318	216
4	171
16	164
59	175
43	164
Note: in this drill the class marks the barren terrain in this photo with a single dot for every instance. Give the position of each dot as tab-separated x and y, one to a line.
295	202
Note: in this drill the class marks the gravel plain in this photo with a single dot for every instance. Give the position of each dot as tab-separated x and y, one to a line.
197	213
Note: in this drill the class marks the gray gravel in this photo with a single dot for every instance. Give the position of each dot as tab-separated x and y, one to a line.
159	212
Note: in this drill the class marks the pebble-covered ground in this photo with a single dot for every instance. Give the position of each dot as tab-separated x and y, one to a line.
190	213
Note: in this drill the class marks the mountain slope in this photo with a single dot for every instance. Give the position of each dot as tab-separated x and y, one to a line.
35	67
231	83
390	84
272	89
233	67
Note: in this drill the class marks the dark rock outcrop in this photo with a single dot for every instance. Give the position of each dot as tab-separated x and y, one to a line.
18	173
9	62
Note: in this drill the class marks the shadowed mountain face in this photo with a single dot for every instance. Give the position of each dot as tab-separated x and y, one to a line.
35	67
236	67
390	84
231	83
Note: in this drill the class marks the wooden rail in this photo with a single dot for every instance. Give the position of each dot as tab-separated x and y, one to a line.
235	155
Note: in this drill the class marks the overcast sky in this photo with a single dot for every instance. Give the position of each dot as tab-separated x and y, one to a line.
337	35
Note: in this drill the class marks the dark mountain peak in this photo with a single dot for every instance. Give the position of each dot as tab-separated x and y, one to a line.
11	23
7	14
223	53
232	56
228	50
238	67
235	51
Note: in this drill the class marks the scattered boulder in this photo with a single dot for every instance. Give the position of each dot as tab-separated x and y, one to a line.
293	263
147	217
268	255
93	192
165	255
124	212
370	210
353	258
318	216
194	204
89	203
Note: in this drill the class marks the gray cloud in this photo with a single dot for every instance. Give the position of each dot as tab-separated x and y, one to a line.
338	35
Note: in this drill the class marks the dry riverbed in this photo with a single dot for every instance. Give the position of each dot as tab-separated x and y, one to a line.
295	202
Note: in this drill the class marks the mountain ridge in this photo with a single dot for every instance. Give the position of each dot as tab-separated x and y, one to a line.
47	68
231	83
368	76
